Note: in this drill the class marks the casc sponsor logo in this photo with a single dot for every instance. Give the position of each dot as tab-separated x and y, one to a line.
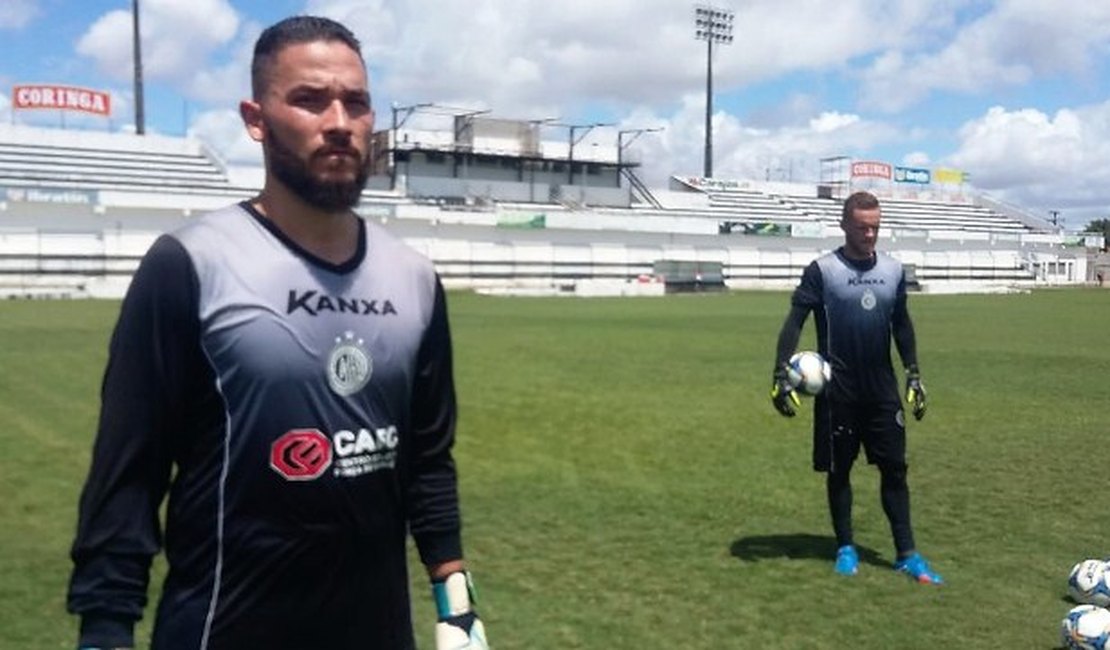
305	454
301	454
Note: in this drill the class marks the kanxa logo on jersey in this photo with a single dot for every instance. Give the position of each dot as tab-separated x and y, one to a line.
305	454
314	303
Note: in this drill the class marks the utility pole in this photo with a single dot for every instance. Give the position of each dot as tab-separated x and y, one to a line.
140	119
621	144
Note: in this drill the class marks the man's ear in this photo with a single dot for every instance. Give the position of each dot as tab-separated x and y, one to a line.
251	112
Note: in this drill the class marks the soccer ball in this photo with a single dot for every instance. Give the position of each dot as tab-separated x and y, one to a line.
1089	583
808	372
1086	627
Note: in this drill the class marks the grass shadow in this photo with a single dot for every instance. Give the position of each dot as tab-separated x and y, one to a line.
797	546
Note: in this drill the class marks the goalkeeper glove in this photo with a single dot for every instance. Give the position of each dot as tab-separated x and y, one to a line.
459	627
783	395
915	392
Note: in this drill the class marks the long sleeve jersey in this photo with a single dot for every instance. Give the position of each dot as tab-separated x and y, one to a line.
300	415
859	307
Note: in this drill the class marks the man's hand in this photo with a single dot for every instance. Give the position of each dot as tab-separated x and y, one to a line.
459	627
783	395
915	392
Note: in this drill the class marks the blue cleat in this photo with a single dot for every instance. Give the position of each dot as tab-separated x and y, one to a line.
917	568
847	560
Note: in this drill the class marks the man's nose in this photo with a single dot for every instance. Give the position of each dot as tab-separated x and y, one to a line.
337	118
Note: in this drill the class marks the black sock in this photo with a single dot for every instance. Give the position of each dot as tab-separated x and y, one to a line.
895	494
838	487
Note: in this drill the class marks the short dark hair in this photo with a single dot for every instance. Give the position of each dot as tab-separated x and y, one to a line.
290	31
858	201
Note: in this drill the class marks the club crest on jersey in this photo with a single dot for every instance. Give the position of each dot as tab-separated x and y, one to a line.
868	300
349	365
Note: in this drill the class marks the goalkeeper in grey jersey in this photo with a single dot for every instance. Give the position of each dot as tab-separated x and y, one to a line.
858	298
289	365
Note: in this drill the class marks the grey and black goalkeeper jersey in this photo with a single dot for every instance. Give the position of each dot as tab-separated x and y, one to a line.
857	305
306	412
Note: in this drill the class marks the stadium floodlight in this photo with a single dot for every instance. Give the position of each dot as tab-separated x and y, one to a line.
140	118
712	25
585	128
621	144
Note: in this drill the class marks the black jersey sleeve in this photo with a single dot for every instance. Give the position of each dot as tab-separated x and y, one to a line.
810	290
155	342
905	339
806	297
433	503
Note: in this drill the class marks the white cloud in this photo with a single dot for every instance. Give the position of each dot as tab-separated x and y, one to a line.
1014	42
917	159
223	130
17	14
1047	161
831	121
178	37
638	63
533	57
789	153
226	83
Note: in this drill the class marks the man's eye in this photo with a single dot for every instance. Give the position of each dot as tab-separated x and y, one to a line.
360	104
309	101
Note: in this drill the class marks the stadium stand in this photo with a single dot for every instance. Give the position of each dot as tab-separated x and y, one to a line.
79	160
79	208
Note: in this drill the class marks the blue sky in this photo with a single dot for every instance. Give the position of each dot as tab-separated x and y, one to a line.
1015	92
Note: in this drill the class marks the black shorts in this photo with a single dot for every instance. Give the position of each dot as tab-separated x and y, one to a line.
839	429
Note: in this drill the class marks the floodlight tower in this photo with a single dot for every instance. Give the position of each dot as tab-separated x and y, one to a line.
712	25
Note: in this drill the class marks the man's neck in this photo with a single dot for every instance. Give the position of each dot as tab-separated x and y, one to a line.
856	256
331	236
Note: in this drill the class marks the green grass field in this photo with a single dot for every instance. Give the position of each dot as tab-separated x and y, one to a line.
626	483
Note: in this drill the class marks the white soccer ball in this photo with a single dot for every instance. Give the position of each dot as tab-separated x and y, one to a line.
1089	583
808	372
1086	627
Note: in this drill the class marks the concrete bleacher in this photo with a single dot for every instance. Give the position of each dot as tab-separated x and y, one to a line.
104	197
920	215
34	157
803	205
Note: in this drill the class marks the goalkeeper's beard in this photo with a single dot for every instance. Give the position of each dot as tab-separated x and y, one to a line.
293	172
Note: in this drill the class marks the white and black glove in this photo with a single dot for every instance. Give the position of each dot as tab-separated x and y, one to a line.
459	627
